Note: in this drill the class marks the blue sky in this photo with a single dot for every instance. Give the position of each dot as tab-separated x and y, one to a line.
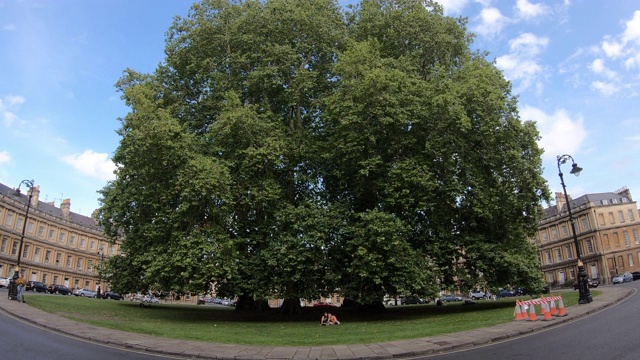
575	65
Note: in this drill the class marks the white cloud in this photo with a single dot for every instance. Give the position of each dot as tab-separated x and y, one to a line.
92	164
491	22
554	129
5	157
453	6
521	63
632	32
612	48
605	88
9	27
598	67
7	107
526	10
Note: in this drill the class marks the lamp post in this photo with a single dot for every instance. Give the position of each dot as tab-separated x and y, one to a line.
13	289
585	294
100	275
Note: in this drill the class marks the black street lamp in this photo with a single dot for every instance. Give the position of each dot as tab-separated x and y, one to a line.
13	289
100	274
585	294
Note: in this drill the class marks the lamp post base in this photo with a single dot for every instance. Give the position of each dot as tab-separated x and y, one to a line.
13	287
585	294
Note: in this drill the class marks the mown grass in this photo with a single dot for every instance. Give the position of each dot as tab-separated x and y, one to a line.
224	325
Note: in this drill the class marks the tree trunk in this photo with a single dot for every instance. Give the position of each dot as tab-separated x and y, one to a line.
291	306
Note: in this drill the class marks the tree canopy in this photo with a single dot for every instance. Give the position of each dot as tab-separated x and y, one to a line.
295	149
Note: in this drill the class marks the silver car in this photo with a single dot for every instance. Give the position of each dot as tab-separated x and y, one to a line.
4	282
84	293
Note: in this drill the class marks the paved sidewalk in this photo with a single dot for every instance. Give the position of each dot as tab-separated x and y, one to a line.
392	349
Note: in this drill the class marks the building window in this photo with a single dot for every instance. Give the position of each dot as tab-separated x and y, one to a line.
40	231
83	242
86	283
51	233
624	199
635	237
14	249
93	245
554	233
625	235
611	218
565	230
568	251
3	247
8	219
79	264
58	258
61	237
77	283
614	201
572	274
19	223
585	223
30	226
630	256
548	257
55	279
589	246
632	216
558	255
36	255
69	261
72	239
621	216
90	266
544	236
25	251
47	256
552	278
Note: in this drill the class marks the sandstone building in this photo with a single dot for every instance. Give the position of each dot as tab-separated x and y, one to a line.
59	247
607	226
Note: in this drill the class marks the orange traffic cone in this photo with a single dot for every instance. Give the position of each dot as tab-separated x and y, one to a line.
562	312
553	310
547	312
543	309
519	311
532	313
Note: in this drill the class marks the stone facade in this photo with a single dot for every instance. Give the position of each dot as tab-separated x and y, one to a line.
607	226
59	247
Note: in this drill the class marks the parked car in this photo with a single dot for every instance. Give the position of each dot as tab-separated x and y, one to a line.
36	286
505	293
318	304
592	284
477	294
636	275
450	298
412	299
59	289
84	293
622	278
4	282
112	295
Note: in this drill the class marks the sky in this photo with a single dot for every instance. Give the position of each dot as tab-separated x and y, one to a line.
574	65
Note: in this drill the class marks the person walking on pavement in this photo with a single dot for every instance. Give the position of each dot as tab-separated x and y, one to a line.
22	283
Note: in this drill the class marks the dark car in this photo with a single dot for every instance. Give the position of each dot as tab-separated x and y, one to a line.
636	275
505	293
36	286
60	289
592	284
408	300
112	295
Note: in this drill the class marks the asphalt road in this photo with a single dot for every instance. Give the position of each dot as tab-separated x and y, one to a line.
23	341
609	334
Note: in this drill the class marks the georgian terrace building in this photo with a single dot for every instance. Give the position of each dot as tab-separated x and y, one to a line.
59	247
607	226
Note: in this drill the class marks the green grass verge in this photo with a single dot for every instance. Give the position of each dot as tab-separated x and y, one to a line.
223	325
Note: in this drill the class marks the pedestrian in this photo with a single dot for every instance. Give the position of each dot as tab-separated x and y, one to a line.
22	283
333	320
325	319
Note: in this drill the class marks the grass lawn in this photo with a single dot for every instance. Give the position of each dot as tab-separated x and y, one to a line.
224	325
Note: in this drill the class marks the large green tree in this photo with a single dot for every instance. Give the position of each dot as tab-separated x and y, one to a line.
293	149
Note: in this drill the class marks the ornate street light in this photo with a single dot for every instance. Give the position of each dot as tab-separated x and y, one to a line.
585	294
100	275
13	289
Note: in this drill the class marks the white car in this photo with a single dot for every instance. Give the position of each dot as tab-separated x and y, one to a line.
477	295
4	282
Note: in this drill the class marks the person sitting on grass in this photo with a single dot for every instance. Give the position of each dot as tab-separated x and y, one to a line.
325	319
333	320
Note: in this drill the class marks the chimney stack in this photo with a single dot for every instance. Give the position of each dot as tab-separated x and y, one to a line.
66	208
35	196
